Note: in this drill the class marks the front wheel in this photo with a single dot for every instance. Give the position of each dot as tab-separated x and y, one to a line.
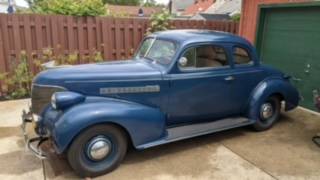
269	113
97	150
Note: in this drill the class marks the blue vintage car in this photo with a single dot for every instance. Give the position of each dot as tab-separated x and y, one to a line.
180	84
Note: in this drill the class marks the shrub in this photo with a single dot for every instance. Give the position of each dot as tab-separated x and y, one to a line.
123	2
17	84
69	7
160	22
236	17
66	59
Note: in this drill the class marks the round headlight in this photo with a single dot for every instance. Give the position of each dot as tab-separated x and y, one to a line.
65	99
53	101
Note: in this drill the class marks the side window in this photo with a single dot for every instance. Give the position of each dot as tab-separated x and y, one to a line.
204	57
241	56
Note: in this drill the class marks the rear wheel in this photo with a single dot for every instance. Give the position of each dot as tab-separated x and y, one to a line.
97	150
269	113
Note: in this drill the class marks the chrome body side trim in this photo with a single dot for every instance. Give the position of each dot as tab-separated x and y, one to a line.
125	90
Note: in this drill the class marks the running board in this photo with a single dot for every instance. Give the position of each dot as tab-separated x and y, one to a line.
193	130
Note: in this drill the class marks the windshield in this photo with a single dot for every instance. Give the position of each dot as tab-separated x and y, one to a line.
160	51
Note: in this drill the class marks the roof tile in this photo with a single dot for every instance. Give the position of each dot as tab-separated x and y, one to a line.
198	6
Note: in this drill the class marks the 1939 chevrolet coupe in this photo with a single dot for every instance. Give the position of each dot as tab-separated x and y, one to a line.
180	84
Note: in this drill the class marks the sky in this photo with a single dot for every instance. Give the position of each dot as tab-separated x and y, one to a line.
24	4
162	1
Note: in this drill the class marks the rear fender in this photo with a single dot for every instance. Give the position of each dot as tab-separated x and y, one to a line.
270	87
143	124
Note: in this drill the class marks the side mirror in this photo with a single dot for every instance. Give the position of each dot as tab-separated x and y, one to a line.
183	61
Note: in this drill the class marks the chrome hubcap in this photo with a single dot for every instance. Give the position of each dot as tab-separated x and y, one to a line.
98	148
266	111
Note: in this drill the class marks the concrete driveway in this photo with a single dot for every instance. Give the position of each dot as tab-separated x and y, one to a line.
284	152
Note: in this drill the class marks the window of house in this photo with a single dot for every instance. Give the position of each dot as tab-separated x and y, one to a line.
205	57
241	56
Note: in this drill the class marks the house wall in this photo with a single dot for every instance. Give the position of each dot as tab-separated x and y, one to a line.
250	15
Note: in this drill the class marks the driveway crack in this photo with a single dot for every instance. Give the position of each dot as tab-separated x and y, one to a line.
250	162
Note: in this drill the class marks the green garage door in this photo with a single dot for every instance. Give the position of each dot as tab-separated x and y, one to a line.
289	39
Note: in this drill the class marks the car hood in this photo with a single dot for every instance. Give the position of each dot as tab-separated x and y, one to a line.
109	71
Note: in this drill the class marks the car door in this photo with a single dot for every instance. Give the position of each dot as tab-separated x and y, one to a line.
247	74
201	87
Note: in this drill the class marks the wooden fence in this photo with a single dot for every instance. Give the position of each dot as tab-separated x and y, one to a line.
115	38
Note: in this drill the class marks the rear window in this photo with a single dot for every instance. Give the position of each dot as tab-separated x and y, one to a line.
241	56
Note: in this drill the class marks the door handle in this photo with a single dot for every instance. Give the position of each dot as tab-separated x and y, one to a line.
229	78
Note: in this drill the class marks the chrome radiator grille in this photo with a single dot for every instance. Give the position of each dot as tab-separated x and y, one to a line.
41	96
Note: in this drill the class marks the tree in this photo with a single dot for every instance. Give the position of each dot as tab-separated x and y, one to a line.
160	22
68	7
150	3
123	2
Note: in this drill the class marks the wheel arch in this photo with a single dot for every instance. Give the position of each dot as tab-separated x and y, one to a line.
279	95
117	125
142	124
272	87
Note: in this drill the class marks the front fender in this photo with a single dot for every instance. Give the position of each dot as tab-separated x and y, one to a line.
269	87
143	124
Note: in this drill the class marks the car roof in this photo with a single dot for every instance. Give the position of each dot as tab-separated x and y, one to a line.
188	36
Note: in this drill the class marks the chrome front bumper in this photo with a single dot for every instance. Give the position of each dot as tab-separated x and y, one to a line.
34	143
